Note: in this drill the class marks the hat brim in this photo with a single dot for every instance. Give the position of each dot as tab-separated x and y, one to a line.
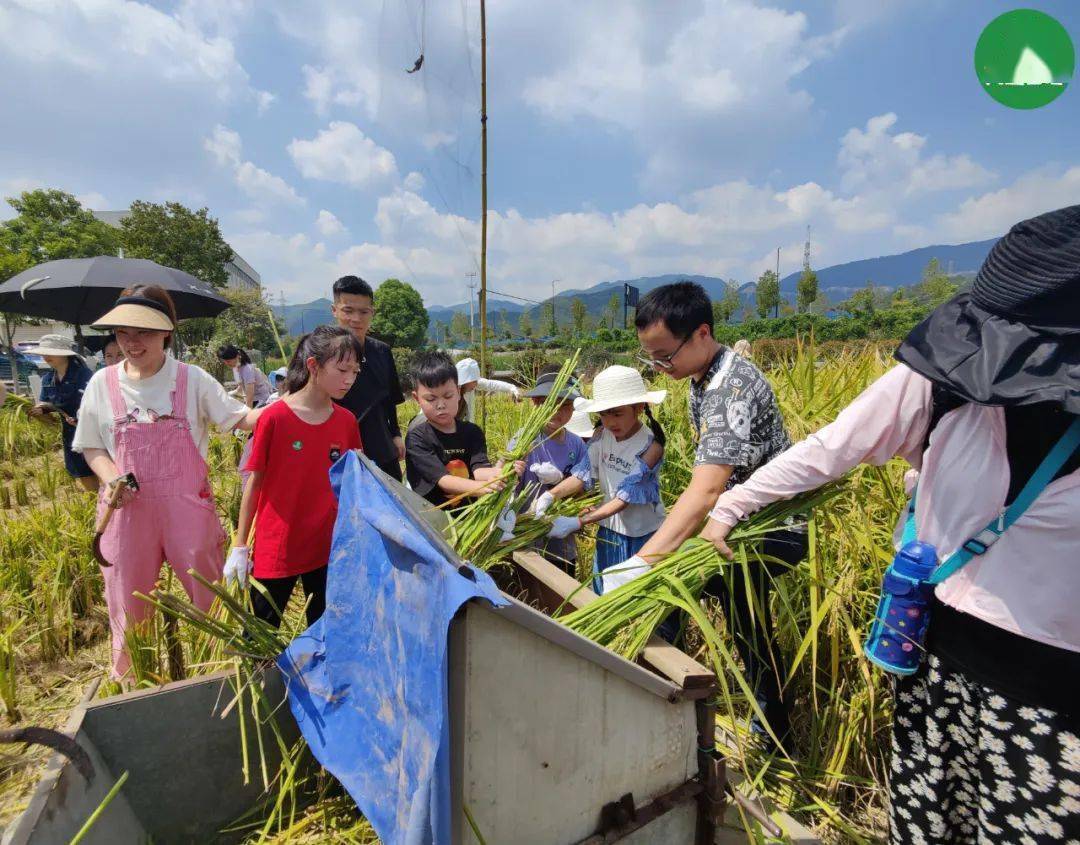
51	350
133	316
582	428
651	397
990	360
542	391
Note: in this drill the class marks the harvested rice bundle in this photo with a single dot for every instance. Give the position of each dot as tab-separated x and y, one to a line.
625	618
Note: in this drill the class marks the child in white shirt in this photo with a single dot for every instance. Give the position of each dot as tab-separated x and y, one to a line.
628	478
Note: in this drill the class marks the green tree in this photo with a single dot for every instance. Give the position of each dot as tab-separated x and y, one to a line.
400	316
862	302
768	294
47	225
725	307
821	304
611	313
547	317
806	290
51	224
11	264
579	313
246	322
460	328
525	324
505	329
175	236
935	286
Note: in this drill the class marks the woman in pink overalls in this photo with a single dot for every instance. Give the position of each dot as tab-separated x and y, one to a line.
151	415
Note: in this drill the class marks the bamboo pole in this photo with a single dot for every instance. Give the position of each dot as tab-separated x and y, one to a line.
483	207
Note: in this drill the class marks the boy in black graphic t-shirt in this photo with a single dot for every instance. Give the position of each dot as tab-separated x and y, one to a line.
445	457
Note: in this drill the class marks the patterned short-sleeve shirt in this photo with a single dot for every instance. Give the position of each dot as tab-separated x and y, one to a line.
735	416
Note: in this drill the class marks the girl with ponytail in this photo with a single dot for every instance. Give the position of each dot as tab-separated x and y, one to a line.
288	494
624	459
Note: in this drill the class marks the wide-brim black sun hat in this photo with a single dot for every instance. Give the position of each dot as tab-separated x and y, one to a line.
1014	338
546	382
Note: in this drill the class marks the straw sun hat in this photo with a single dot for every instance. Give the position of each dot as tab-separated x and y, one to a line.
136	312
617	386
53	344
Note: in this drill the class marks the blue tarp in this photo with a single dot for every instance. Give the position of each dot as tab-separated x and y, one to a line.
367	683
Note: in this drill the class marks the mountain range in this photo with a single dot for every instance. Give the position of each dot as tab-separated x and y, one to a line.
838	282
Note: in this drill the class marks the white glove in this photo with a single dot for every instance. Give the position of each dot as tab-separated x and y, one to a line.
622	573
506	522
547	472
542	503
564	526
237	566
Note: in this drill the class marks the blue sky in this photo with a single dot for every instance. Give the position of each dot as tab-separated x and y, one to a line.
626	138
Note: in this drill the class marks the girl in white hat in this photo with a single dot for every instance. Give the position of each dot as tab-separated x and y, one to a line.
616	460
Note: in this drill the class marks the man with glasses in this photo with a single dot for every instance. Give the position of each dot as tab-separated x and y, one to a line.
738	427
376	393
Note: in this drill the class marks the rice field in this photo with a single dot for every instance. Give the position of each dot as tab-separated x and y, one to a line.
53	630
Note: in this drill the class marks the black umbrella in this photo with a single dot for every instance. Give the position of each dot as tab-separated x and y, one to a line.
80	290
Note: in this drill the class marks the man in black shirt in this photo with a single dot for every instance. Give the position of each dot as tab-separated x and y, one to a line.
376	393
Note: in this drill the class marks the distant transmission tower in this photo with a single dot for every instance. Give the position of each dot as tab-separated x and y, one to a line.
806	251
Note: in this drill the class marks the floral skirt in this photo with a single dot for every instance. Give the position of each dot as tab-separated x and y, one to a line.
970	765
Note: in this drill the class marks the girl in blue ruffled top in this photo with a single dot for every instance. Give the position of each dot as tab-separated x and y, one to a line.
624	459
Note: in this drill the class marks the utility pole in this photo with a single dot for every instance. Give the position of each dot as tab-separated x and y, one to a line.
471	285
483	205
776	308
554	327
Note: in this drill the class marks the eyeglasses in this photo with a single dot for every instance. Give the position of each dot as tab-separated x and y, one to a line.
664	361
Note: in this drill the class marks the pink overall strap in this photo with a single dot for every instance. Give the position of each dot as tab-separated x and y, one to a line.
179	394
116	399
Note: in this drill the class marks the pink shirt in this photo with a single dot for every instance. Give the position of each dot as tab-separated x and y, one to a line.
1028	582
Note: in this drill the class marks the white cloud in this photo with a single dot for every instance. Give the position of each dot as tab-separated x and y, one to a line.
93	200
434	140
116	38
874	158
263	100
672	74
225	146
729	229
342	153
993	213
414	182
258	183
328	224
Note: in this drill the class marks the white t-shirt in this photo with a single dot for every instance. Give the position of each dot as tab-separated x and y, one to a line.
611	462
207	405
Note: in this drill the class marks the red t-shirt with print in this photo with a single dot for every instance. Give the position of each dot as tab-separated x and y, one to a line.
294	517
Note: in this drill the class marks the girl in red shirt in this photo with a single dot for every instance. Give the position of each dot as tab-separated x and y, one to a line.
288	493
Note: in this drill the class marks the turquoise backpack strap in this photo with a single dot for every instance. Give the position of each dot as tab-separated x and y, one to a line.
977	545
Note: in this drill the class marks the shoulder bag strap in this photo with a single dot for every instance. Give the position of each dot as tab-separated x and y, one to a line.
977	545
